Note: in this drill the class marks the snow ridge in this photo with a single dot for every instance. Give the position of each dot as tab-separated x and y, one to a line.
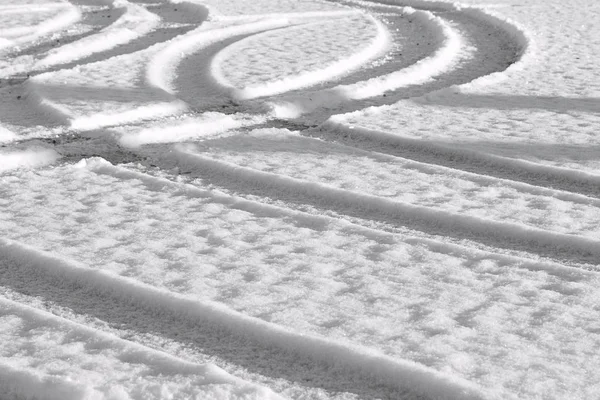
124	358
421	72
136	21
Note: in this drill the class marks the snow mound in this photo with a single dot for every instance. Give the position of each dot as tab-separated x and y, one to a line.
28	158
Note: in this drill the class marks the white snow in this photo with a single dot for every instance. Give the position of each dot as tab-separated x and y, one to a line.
451	51
27	158
280	221
6	135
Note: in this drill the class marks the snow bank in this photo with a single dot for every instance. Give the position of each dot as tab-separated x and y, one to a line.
388	371
29	158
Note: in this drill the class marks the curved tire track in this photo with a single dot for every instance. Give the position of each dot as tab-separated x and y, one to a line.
66	284
495	234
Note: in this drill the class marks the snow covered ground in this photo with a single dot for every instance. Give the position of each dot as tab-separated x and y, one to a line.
299	199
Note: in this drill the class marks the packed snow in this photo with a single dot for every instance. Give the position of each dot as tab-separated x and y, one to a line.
307	199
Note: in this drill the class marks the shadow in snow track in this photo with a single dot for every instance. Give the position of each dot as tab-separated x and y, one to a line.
196	86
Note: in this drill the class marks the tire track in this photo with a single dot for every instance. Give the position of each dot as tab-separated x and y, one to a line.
274	351
133	309
460	158
95	20
133	367
497	234
495	50
175	20
271	351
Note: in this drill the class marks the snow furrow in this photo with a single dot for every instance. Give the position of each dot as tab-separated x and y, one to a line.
69	16
284	153
73	28
179	250
175	20
138	87
388	199
162	67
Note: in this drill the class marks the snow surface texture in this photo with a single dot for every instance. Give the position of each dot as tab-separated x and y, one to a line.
300	199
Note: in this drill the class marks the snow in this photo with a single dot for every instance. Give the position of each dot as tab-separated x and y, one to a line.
548	95
25	22
27	158
136	21
301	199
297	57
